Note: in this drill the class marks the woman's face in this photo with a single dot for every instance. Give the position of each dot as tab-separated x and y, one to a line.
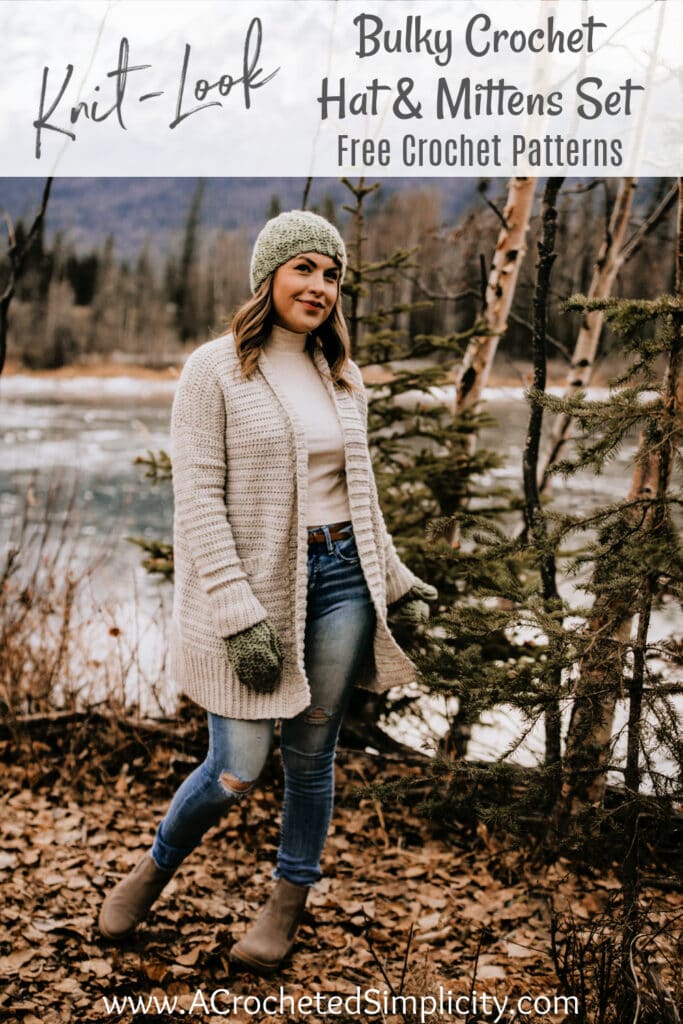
304	291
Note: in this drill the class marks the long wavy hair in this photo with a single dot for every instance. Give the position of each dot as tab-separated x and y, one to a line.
254	320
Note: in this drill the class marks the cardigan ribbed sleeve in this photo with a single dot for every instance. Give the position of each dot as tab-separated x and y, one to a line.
199	462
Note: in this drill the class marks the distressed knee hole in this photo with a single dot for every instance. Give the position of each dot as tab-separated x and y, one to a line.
317	716
233	785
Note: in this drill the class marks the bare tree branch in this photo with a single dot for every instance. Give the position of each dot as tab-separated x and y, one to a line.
636	239
497	212
307	189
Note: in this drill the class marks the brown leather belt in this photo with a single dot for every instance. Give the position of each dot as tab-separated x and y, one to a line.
338	531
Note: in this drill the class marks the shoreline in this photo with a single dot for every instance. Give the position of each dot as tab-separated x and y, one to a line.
101	370
515	375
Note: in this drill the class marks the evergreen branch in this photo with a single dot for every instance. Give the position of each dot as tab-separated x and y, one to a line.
160	560
618	311
399	258
158	465
360	191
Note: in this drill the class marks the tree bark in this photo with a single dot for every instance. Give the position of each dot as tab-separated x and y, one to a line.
536	529
498	296
500	290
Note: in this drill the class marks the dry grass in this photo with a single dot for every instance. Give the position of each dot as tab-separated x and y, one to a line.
38	585
61	648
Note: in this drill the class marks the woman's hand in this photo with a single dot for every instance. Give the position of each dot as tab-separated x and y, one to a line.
256	654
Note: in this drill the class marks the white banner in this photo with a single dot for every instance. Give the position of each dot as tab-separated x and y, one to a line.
316	87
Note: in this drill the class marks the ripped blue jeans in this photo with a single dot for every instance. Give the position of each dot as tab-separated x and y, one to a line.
340	622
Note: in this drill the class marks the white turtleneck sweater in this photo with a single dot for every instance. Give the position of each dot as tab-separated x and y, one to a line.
328	500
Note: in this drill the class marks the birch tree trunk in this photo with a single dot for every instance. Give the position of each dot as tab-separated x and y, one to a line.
500	290
592	720
607	267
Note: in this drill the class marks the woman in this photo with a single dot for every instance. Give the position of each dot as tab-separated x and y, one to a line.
283	571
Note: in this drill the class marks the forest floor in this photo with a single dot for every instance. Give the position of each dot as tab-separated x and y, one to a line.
467	913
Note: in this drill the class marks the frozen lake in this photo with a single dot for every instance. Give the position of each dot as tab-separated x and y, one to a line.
85	433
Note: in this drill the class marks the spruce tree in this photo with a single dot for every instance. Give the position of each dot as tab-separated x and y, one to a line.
188	312
426	458
629	549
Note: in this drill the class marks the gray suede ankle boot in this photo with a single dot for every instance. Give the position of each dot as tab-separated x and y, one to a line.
128	902
272	934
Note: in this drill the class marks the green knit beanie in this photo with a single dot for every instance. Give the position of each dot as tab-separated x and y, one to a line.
289	234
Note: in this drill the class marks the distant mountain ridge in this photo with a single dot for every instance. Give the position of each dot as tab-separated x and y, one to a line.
153	210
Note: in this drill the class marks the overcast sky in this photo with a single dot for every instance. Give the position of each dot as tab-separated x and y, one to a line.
303	42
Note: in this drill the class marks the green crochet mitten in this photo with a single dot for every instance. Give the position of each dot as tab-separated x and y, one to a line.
413	607
411	610
256	654
421	591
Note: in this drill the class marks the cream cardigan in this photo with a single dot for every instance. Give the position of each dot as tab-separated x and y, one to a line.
240	468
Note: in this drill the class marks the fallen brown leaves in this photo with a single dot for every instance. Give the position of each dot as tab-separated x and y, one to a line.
467	906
